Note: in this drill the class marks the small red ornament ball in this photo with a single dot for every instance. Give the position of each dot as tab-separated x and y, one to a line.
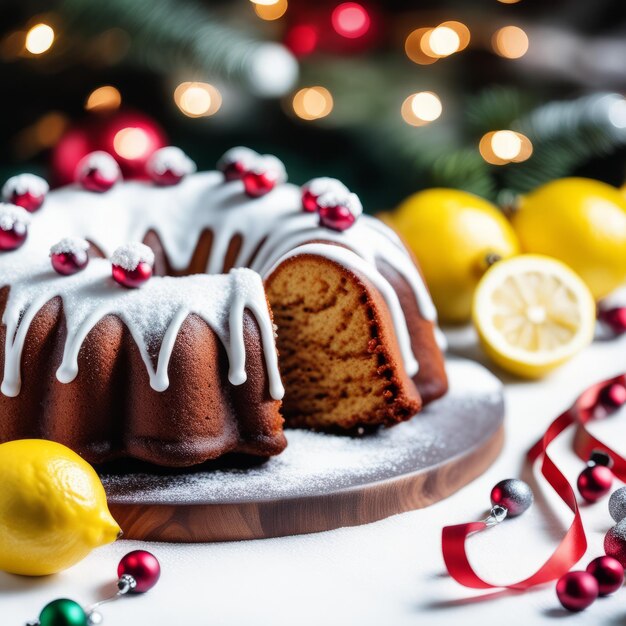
309	201
615	319
234	170
27	200
98	172
26	190
68	263
577	590
258	183
613	396
336	217
12	238
615	542
132	278
143	566
594	482
609	573
234	163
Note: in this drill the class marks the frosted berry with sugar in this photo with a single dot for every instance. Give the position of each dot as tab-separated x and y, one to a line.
234	163
25	190
168	166
98	171
132	264
339	211
265	173
14	222
317	187
69	256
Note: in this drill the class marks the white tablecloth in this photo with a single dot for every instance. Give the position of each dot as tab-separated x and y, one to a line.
387	573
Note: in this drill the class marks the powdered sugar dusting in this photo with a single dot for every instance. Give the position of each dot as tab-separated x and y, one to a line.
14	218
100	160
338	198
71	245
130	255
25	183
316	464
171	159
241	154
318	186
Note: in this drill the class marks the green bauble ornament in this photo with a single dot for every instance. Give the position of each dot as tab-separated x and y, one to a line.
63	612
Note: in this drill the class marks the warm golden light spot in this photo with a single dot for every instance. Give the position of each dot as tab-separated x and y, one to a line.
413	47
270	11
106	98
505	146
49	128
461	30
421	108
510	42
39	39
312	103
131	143
196	99
442	42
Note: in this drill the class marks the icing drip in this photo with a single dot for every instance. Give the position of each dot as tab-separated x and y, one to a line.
353	262
154	314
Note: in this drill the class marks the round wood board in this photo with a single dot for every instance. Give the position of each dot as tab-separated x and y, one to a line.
322	481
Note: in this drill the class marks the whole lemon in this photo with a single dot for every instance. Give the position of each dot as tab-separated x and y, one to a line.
53	508
582	223
454	235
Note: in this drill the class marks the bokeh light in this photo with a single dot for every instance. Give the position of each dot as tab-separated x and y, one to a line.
350	20
271	11
413	47
462	31
312	103
441	42
302	39
197	99
421	108
39	39
131	143
105	98
510	42
501	147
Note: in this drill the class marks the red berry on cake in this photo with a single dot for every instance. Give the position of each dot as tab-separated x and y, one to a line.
98	171
235	162
69	255
339	211
168	166
132	264
264	174
25	190
317	187
14	221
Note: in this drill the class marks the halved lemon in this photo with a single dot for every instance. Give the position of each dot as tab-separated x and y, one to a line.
532	314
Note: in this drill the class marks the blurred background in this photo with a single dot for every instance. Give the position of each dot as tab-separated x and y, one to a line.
493	97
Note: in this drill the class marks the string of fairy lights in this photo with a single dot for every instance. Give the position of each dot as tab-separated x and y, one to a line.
425	45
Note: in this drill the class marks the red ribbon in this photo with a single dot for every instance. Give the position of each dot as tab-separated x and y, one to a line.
574	544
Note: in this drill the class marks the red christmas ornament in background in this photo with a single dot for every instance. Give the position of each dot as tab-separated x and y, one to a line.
614	318
131	137
142	567
609	573
595	482
615	542
577	590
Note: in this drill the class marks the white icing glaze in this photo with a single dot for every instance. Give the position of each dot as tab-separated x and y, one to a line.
269	163
318	186
355	263
130	255
24	183
178	214
171	159
14	218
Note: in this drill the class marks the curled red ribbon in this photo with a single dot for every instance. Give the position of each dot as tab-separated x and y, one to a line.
574	544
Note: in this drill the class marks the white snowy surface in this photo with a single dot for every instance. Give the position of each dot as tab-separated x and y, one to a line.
389	573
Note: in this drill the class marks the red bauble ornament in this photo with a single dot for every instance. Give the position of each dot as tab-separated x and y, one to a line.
234	163
594	482
98	171
14	223
613	397
69	256
25	190
143	567
609	573
258	184
615	319
132	264
131	137
336	217
615	542
168	166
577	590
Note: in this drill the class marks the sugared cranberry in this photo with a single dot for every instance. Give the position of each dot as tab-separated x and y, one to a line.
98	171
69	256
336	217
235	162
14	221
132	278
258	184
168	166
132	264
25	190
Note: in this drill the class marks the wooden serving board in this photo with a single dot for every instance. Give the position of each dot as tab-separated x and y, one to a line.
321	481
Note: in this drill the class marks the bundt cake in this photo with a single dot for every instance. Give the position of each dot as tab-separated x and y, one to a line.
186	368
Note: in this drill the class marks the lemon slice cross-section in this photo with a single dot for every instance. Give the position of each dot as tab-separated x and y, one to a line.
532	314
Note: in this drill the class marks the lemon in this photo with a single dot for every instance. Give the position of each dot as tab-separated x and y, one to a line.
532	314
581	222
454	234
53	508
